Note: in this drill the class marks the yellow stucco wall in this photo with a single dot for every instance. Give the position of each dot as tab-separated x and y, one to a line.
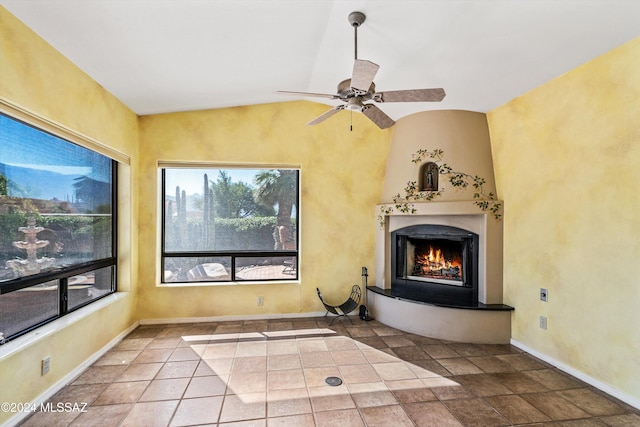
567	164
342	174
37	78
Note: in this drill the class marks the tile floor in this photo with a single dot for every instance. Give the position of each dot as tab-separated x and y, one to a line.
272	373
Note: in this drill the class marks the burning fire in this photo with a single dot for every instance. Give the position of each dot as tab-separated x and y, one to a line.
433	263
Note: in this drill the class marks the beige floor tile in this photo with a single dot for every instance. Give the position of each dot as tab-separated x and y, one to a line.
282	347
154	355
339	418
150	414
411	394
377	356
102	416
315	377
220	350
248	349
248	423
483	384
554	379
304	420
211	385
490	364
393	371
139	372
215	366
100	374
373	398
164	343
118	357
398	341
201	410
340	343
277	362
431	414
127	392
285	379
555	406
84	393
516	409
185	353
316	359
307	345
249	382
282	403
245	406
475	412
178	369
133	344
330	398
352	374
249	364
459	366
169	389
380	416
592	402
440	351
348	357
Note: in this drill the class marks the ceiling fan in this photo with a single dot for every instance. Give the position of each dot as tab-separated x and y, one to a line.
354	92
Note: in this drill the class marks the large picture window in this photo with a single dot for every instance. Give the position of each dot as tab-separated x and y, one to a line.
57	227
229	224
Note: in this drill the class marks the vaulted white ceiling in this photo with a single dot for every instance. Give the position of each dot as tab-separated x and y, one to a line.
161	56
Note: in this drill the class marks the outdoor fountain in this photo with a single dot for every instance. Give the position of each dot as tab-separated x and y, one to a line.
31	265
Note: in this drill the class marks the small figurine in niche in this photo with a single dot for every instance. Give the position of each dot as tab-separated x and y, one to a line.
429	174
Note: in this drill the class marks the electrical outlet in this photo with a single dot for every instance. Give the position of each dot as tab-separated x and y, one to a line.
46	365
260	301
544	294
543	322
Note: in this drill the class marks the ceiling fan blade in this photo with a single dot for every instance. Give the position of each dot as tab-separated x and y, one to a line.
318	95
411	95
377	116
363	74
324	116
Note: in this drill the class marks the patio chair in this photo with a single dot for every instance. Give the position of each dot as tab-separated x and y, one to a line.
346	307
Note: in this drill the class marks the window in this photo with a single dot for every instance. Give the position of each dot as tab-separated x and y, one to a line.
57	227
229	224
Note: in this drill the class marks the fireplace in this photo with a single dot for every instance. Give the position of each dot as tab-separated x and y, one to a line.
435	264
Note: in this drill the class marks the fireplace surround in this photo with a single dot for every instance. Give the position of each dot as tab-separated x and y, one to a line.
479	317
435	263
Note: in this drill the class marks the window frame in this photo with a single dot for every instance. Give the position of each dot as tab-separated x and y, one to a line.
63	274
233	255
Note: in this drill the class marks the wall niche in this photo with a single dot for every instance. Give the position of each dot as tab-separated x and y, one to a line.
429	174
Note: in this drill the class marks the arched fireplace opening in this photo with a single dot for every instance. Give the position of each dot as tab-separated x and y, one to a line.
435	264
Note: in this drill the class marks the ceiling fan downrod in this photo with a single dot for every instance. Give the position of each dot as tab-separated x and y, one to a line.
356	19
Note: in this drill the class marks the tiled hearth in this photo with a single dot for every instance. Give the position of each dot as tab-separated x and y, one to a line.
272	373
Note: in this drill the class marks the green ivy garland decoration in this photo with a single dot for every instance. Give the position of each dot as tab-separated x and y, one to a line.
404	203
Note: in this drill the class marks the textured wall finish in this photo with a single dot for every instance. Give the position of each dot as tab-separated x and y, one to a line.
341	181
36	77
567	159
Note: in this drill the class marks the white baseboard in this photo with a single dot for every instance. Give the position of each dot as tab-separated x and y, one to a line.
612	391
230	318
42	398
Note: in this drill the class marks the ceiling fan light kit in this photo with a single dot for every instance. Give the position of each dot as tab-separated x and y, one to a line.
360	88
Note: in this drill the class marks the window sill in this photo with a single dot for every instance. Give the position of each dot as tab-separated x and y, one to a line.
27	340
215	284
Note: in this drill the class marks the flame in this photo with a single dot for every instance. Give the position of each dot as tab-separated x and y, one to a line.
433	260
